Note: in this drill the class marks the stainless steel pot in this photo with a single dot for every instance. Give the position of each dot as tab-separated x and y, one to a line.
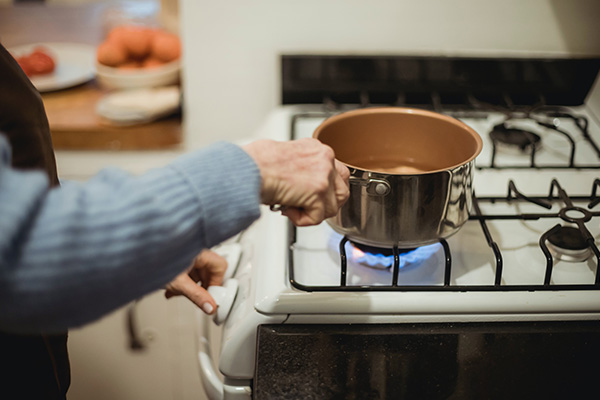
411	174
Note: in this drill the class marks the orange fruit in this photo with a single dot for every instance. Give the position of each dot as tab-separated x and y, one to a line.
111	53
166	46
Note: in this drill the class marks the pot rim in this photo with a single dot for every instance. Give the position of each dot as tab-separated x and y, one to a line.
405	110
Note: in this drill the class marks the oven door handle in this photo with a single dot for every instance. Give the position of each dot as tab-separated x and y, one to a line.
213	386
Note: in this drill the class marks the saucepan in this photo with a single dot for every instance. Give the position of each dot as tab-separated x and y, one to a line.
411	174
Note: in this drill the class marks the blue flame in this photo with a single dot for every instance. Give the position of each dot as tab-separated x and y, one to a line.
412	257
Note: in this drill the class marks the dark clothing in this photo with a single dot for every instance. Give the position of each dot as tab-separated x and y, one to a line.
34	367
31	366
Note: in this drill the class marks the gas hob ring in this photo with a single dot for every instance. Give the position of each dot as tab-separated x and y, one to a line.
575	214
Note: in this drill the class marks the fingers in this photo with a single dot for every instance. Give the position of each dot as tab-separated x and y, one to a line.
343	175
303	217
327	198
208	268
332	195
303	176
340	191
185	286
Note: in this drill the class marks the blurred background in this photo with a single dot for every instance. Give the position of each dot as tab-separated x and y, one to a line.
138	111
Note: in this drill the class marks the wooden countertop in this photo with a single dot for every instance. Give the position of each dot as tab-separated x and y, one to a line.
71	112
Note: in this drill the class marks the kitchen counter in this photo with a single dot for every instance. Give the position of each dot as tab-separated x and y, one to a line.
74	124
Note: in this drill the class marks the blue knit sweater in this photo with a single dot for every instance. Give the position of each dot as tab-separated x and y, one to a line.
69	255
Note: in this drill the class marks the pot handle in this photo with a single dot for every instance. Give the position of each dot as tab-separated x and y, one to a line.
377	187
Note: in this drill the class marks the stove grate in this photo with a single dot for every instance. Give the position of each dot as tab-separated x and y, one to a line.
541	115
569	213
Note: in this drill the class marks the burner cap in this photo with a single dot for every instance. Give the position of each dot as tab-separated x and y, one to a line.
514	137
568	244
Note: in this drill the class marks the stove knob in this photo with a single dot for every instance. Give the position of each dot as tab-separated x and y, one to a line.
224	297
232	252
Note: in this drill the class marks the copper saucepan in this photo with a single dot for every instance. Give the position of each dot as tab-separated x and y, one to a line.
411	174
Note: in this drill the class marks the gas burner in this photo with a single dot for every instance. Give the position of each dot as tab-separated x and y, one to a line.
383	258
507	136
568	244
376	257
384	251
371	256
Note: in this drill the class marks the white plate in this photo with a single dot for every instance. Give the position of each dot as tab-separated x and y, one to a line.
135	106
75	64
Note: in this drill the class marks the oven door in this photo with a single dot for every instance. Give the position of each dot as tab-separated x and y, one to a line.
507	360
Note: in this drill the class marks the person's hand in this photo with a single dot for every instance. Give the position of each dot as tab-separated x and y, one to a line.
303	176
207	268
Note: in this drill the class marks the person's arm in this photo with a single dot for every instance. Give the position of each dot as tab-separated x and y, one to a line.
303	176
70	255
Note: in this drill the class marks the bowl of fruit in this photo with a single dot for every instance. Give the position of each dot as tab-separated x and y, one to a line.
134	57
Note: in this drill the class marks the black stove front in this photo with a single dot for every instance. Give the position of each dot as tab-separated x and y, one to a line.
534	360
463	84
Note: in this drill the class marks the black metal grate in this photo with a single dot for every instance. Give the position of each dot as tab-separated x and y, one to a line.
540	115
556	195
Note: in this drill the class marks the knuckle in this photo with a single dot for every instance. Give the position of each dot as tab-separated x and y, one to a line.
345	196
321	186
345	172
328	153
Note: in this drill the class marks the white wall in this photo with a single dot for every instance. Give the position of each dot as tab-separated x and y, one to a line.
231	48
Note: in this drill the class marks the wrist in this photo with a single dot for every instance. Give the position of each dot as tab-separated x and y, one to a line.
264	154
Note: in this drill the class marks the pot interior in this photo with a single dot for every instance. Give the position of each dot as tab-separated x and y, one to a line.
398	140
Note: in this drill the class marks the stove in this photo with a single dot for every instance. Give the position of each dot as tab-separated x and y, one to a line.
523	270
521	224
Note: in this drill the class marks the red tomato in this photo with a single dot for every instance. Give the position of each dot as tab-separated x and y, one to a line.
40	62
24	64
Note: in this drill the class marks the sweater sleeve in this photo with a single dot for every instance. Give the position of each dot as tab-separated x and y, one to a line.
71	254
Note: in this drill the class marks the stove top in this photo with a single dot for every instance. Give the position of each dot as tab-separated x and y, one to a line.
530	244
522	193
529	251
510	245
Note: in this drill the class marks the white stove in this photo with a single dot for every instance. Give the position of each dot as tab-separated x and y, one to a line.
508	263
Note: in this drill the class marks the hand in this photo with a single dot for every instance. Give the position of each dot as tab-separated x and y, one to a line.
208	268
303	176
